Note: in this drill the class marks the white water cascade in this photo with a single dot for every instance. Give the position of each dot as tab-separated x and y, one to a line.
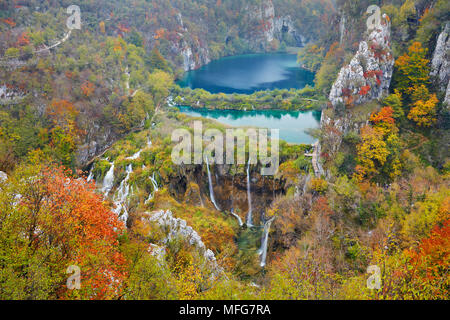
211	191
91	174
108	181
122	195
135	156
249	197
237	217
264	241
155	187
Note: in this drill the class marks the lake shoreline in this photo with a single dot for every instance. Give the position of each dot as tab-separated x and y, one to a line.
292	124
268	108
248	73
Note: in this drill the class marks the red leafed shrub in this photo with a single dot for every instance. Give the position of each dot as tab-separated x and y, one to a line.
385	115
374	73
9	22
23	40
364	90
87	88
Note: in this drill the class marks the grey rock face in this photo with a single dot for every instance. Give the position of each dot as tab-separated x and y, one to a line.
3	176
285	24
10	96
178	228
276	26
97	141
440	64
369	73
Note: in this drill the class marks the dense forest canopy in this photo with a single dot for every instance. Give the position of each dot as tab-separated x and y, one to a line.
87	179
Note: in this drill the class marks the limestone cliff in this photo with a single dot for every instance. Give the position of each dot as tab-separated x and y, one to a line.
369	73
178	228
440	64
265	26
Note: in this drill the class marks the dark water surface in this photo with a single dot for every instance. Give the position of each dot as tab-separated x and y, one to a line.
249	73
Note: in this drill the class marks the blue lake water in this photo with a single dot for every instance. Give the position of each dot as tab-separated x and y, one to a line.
249	73
246	74
292	124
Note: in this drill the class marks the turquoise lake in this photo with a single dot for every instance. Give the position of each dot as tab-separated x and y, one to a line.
249	73
292	124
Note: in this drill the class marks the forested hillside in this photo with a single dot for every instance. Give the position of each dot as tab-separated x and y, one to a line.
100	78
87	178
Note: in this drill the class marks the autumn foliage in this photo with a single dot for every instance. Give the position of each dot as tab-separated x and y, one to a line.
430	262
412	69
87	88
59	221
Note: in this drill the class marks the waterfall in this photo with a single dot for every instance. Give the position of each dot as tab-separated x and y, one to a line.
237	217
211	191
264	241
138	154
122	195
155	188
154	182
91	174
249	197
135	156
108	181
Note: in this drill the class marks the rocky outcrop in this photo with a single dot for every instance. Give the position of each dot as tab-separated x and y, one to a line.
285	24
178	228
369	73
3	176
190	49
98	140
229	183
266	26
9	95
440	64
263	15
195	60
338	128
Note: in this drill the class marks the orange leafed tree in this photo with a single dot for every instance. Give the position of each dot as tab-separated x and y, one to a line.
9	22
23	40
424	111
412	69
88	88
63	113
430	263
72	223
384	119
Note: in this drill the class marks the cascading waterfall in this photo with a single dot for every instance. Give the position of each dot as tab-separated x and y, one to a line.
91	174
154	182
155	187
211	191
108	181
249	197
122	195
138	154
264	241
237	217
135	156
